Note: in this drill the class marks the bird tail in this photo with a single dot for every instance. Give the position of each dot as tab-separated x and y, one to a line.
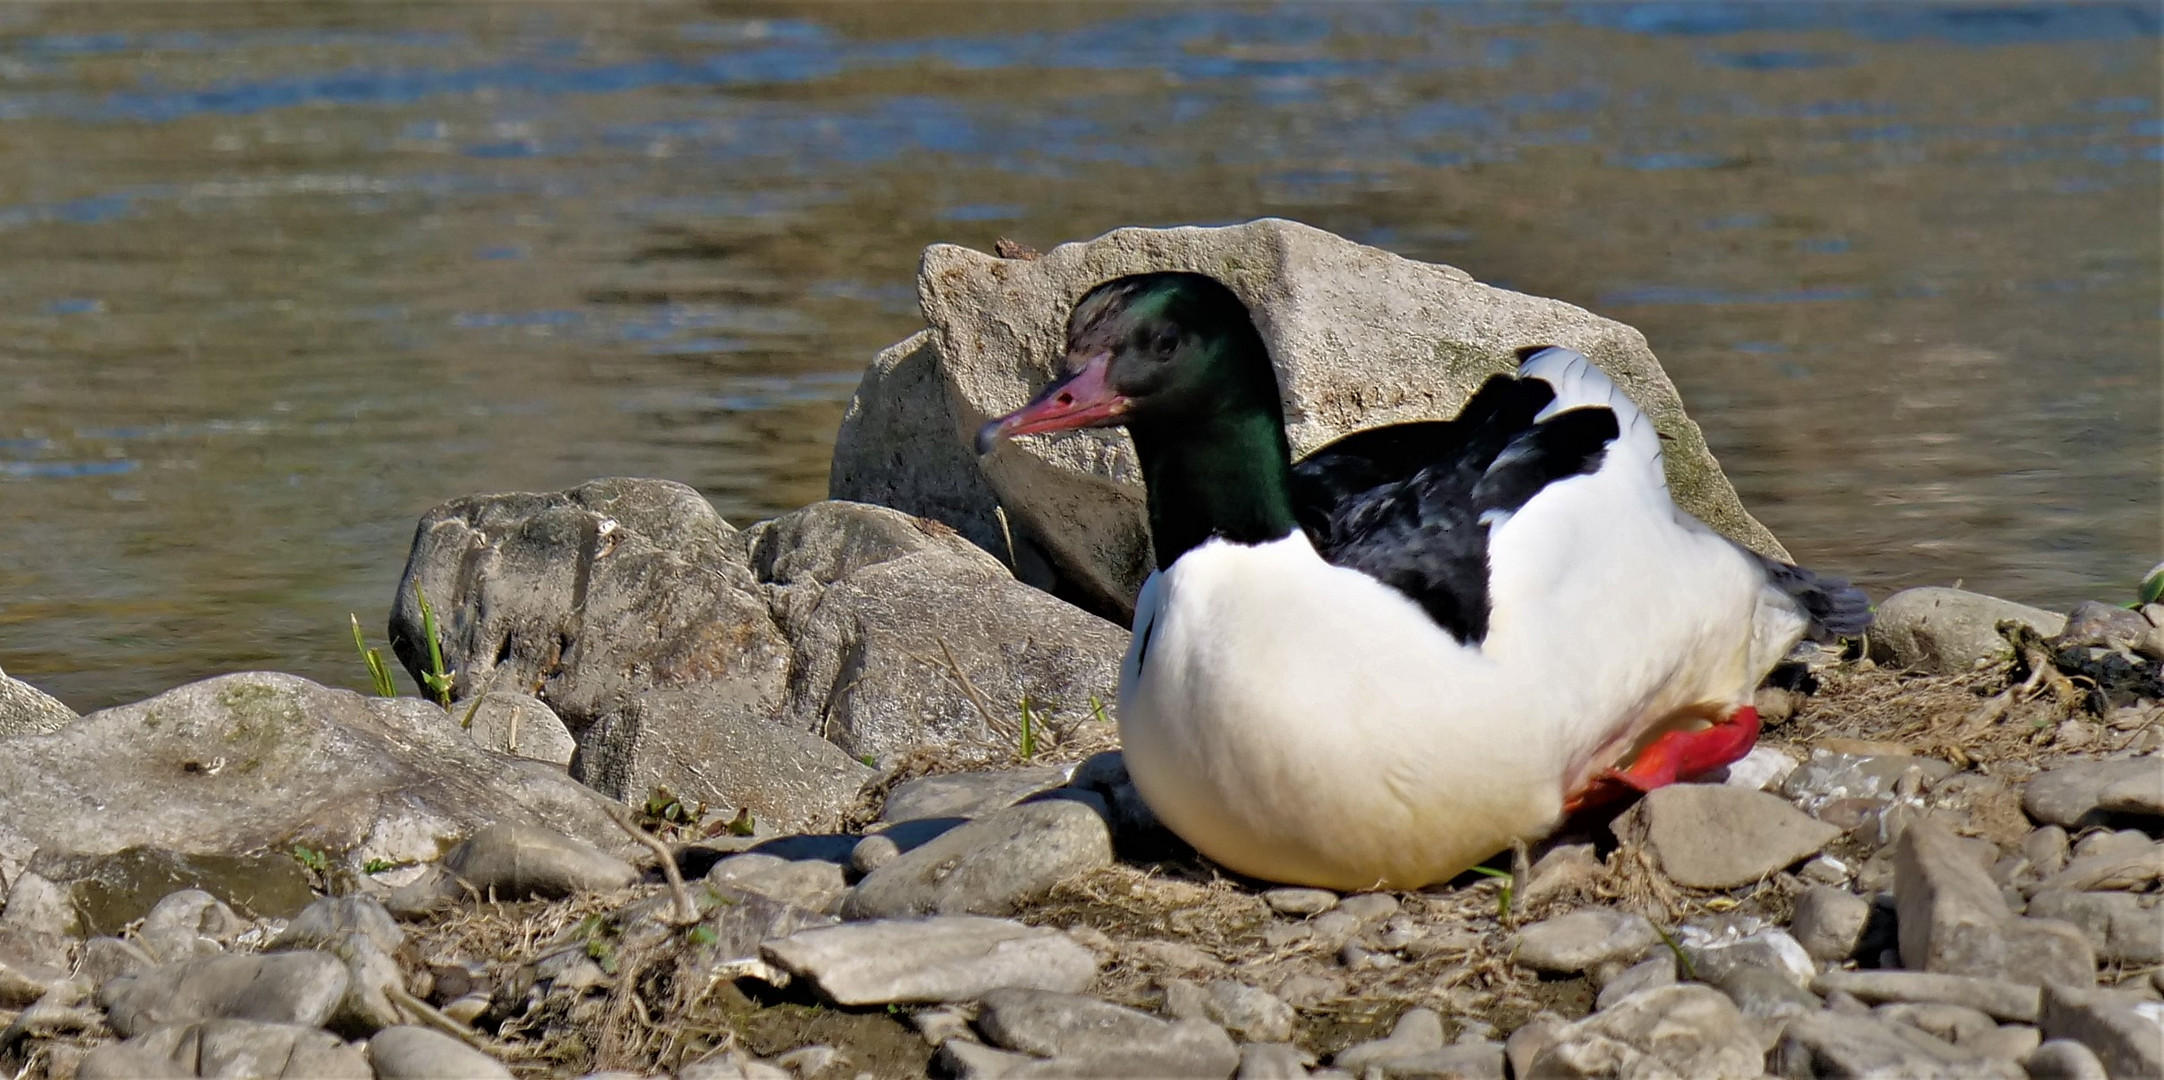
1835	608
1578	384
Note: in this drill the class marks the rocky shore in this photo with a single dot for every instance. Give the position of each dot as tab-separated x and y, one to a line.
839	794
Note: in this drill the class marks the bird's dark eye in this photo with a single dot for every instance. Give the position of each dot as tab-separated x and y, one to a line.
1165	340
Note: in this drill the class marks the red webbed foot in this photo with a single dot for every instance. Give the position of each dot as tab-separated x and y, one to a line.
1674	756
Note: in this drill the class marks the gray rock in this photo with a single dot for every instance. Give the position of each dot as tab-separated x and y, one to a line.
1828	777
35	903
855	624
1299	901
2046	849
1953	1023
1683	1030
1105	775
1273	1061
965	1059
1710	836
873	852
1584	939
187	923
280	988
2000	1000
1417	1033
1340	319
1251	1015
1656	970
2123	928
235	1049
731	1065
109	958
1953	920
811	884
2064	1059
808	1060
947	958
331	919
32	963
1187	1048
416	1053
520	862
2094	623
1715	951
2072	794
1369	908
2111	842
27	710
1762	993
1829	922
1946	631
1532	1039
1823	1044
702	742
2127	1042
520	725
373	978
991	865
1052	1024
969	794
2119	869
264	762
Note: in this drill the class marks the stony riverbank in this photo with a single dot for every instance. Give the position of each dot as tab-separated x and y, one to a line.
839	795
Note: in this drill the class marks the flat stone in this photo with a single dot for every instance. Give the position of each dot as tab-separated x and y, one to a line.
1713	953
968	794
1477	1060
1653	971
109	958
1584	939
1829	922
990	866
873	852
1273	1061
2121	869
31	964
520	862
35	902
1105	775
2111	1024
1417	1033
2124	928
1764	768
417	1053
2046	848
1956	1024
1828	777
1369	908
229	1048
1947	631
2064	1059
372	979
1249	1014
965	1059
1299	901
281	988
2072	795
1684	1030
1340	319
1953	920
1050	1024
520	725
811	884
2005	1001
945	958
1822	1044
1708	836
1766	994
330	919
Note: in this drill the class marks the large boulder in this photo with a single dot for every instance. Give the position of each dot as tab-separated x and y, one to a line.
27	710
262	762
1361	338
747	670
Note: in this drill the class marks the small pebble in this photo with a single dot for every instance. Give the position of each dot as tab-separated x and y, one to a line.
1369	907
1300	901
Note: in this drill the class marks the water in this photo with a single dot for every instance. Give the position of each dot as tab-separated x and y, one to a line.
276	278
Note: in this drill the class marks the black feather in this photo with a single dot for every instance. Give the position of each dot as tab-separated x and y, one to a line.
1837	609
1403	503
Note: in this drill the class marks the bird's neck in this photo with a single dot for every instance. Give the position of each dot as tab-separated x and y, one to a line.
1227	476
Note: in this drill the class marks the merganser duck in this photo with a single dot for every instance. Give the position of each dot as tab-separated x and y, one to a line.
1379	666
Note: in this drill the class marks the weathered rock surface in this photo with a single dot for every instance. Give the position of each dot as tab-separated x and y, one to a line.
2064	1059
1361	338
2129	1043
2124	928
229	1050
945	958
969	794
245	763
1714	952
1953	919
1583	939
27	710
282	988
1999	999
415	1053
1088	1037
2074	794
990	865
1822	1044
519	862
1944	631
1684	1030
520	725
1711	836
1829	922
856	624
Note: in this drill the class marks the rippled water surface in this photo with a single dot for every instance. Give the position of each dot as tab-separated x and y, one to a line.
275	278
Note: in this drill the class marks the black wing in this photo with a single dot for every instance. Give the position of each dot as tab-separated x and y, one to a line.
1402	504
